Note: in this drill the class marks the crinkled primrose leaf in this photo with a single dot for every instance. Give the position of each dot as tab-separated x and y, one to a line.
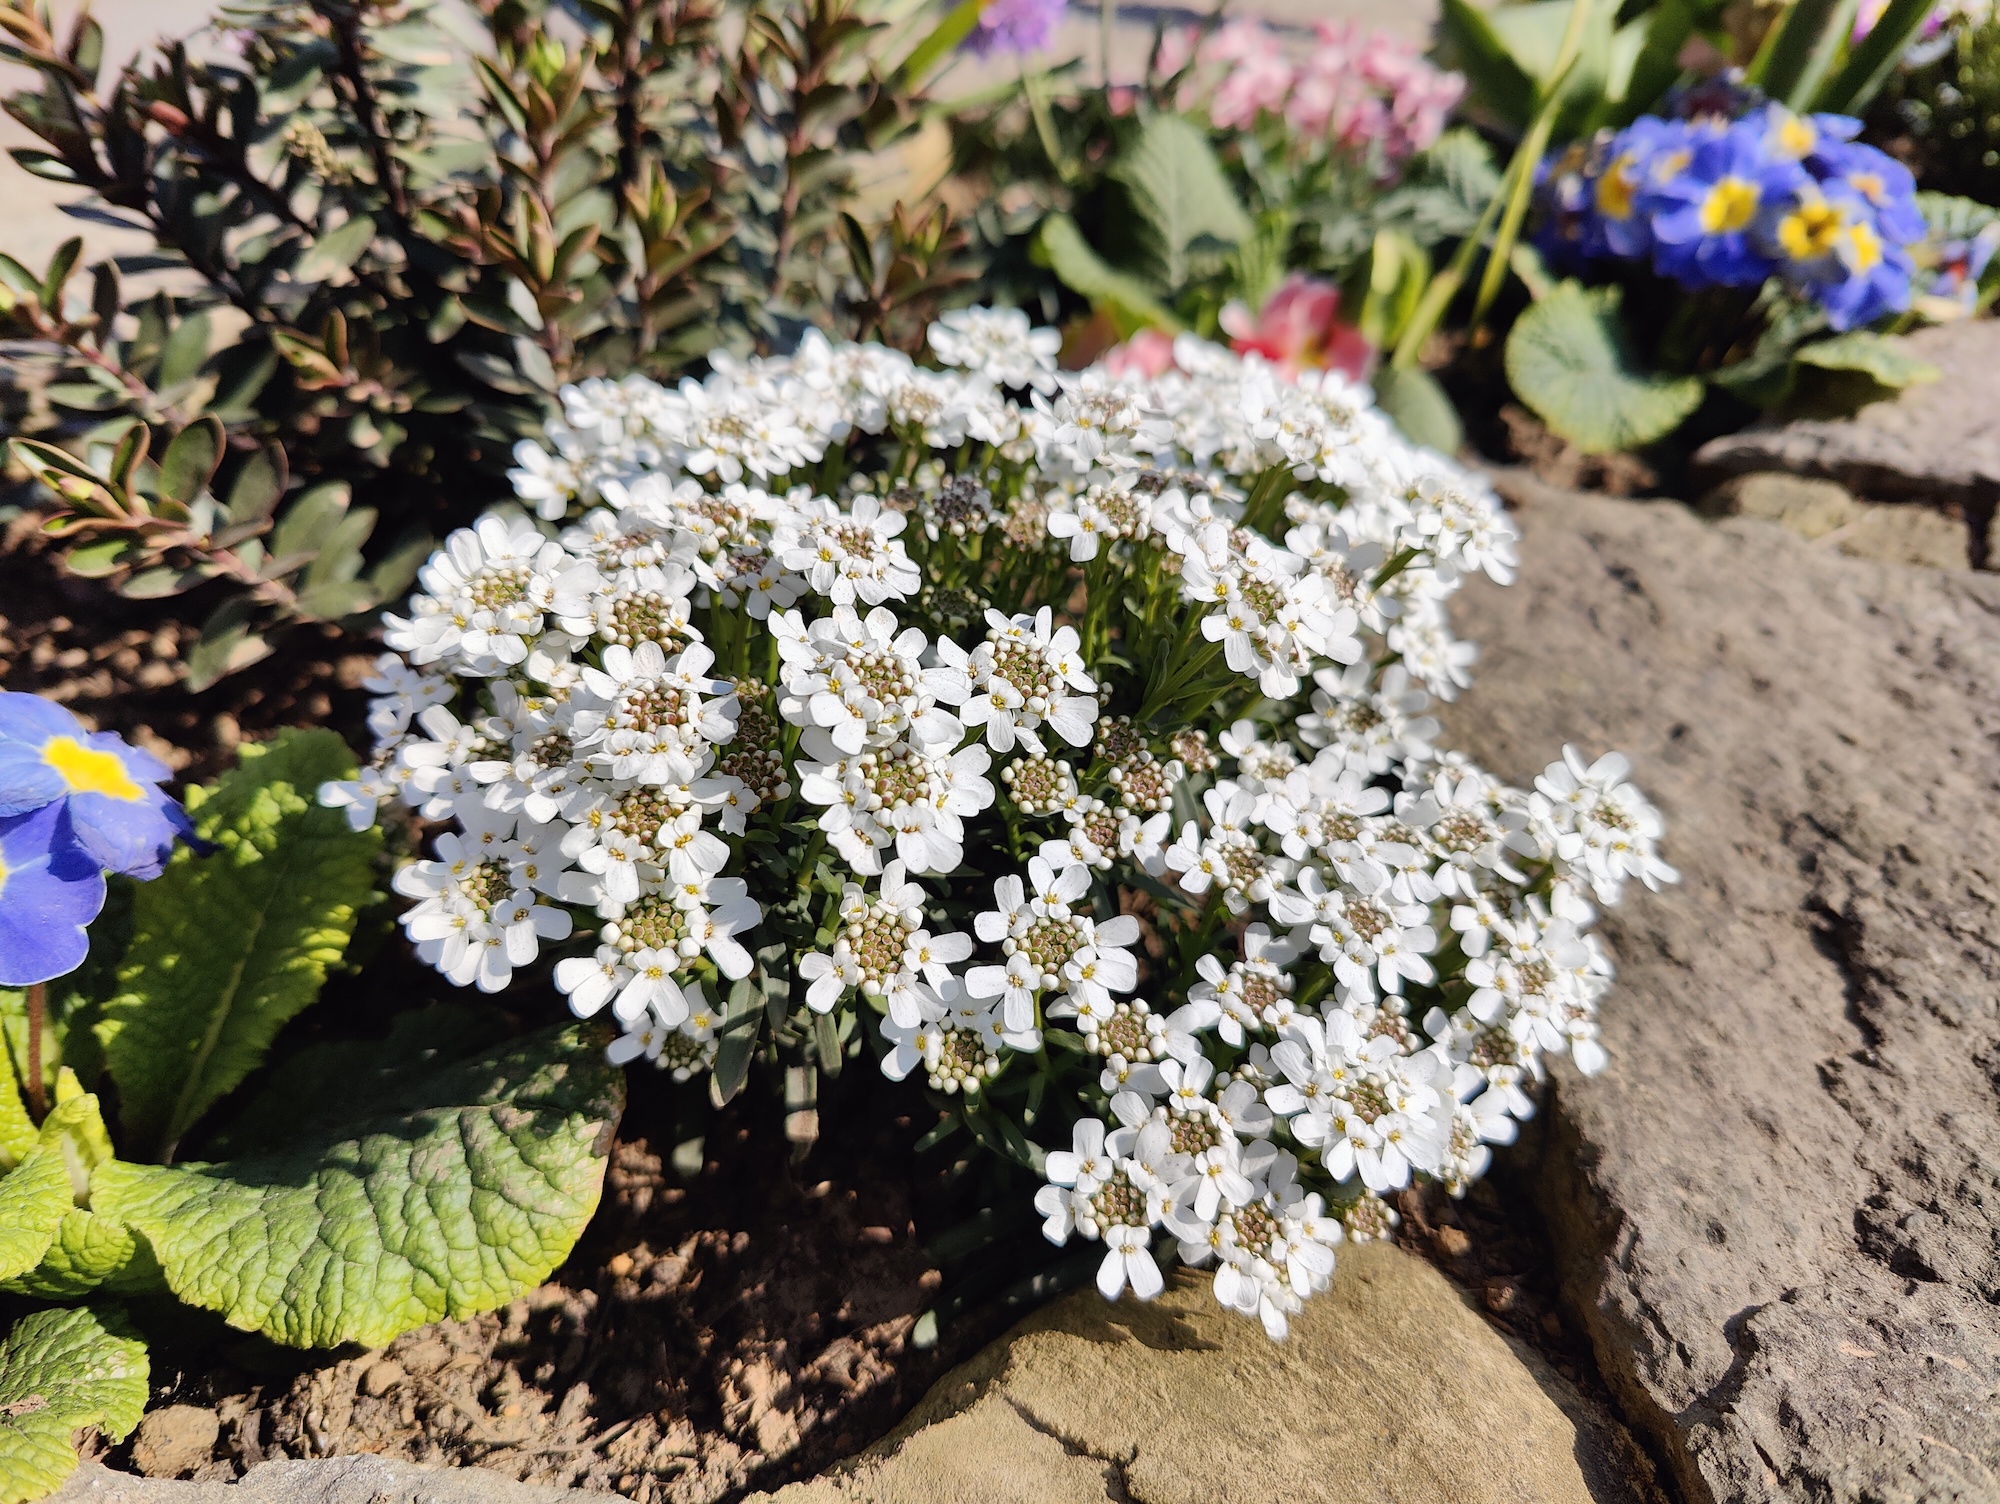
228	947
444	1194
60	1371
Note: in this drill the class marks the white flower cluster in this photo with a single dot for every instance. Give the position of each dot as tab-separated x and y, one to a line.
1041	728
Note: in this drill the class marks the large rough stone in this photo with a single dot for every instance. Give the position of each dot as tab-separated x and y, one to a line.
1939	442
1779	1208
334	1480
1391	1388
1900	533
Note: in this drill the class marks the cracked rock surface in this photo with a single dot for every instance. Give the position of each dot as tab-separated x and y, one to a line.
1391	1388
1778	1209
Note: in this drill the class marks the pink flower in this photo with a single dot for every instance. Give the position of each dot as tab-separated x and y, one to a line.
1299	330
1146	355
1255	75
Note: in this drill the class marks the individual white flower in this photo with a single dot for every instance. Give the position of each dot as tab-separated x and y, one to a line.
647	717
1367	936
1225	856
1050	946
1025	675
849	556
1605	824
483	597
909	799
999	344
726	428
865	683
884	950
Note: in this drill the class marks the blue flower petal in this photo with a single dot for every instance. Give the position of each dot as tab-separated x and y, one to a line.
49	892
26	781
32	719
134	837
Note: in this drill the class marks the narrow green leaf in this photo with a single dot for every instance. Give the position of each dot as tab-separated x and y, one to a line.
62	1371
1874	58
444	1194
200	1000
335	251
1566	358
1060	246
60	266
311	519
226	643
1420	408
944	39
182	354
189	463
1501	87
258	485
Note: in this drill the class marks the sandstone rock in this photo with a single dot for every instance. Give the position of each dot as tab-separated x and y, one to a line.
1899	533
1779	1208
174	1439
1939	442
332	1480
1391	1388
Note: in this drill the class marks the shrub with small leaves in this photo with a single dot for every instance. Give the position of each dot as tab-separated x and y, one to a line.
391	247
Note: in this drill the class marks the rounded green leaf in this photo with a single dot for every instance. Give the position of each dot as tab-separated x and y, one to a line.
1566	359
446	1192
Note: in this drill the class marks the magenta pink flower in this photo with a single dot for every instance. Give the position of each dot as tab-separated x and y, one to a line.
1299	329
1147	355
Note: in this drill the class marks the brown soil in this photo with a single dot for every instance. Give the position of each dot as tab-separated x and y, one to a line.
735	1330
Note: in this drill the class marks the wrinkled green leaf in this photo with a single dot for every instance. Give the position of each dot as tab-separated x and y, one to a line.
227	948
61	1371
1567	359
1884	360
88	1250
1060	246
1947	217
445	1194
1179	188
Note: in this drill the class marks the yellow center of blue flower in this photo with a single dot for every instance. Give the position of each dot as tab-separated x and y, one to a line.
1616	189
1811	231
1795	137
1863	251
1730	205
1669	165
88	771
3	872
1869	185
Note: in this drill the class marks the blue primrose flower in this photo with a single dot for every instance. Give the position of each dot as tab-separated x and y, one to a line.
50	890
1705	214
117	813
1880	181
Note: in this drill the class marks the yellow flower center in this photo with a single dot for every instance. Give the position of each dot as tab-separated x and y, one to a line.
1615	190
1864	248
1731	204
88	771
3	873
1811	231
1670	164
1796	137
1869	185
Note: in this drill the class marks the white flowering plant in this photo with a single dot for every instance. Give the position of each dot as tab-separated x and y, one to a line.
1056	738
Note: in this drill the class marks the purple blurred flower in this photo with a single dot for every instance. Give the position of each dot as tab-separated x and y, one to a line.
1015	27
